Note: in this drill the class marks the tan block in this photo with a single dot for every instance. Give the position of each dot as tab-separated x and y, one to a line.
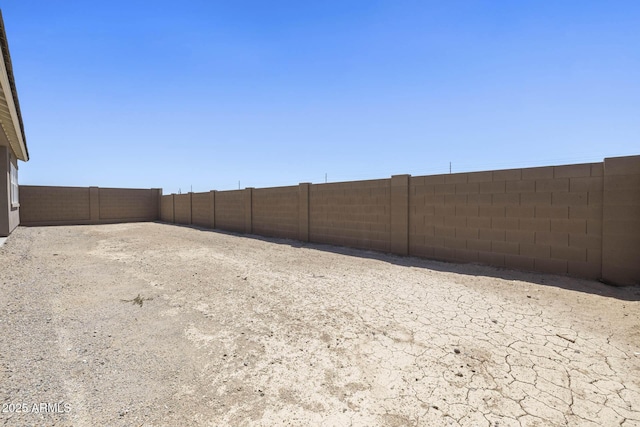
455	243
621	197
623	182
506	199
479	199
467	210
491	211
585	241
552	266
466	188
507	175
547	211
552	238
445	210
433	179
595	198
422	251
455	178
455	199
585	270
629	165
491	258
467	233
569	253
480	176
466	255
434	199
537	173
479	245
569	199
444	254
504	223
421	190
520	236
493	187
571	171
588	184
594	227
521	186
535	199
434	220
576	226
586	212
597	169
518	262
416	181
399	215
626	256
428	230
625	229
455	221
520	211
491	234
479	222
505	247
445	189
426	210
552	185
444	231
535	251
624	213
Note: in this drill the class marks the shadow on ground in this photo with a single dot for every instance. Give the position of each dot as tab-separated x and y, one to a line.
626	293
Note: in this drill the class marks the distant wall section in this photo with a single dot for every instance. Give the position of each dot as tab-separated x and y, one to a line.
45	205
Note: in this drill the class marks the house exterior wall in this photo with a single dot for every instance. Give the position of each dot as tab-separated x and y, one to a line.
14	211
5	197
9	214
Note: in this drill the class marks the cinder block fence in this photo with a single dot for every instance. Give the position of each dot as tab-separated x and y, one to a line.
42	205
582	220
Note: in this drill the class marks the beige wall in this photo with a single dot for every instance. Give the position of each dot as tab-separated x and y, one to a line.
230	210
182	208
582	220
275	212
42	205
621	220
355	214
543	219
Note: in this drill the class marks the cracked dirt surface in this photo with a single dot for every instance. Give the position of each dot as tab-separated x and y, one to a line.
159	325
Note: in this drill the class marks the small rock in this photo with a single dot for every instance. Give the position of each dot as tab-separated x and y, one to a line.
456	351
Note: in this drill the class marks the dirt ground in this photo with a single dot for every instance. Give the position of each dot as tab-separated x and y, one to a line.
159	325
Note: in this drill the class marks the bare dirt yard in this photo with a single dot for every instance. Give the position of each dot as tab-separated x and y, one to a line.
159	325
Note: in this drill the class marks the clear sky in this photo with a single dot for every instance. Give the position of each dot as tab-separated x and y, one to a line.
208	93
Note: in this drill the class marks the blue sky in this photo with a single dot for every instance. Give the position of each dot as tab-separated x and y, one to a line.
208	93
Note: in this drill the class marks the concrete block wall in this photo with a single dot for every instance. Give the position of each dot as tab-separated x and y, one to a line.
182	208
202	209
229	210
41	205
621	220
540	219
355	214
166	208
275	212
581	220
123	203
44	205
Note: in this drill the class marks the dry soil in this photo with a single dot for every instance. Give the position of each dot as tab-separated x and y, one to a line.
159	325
